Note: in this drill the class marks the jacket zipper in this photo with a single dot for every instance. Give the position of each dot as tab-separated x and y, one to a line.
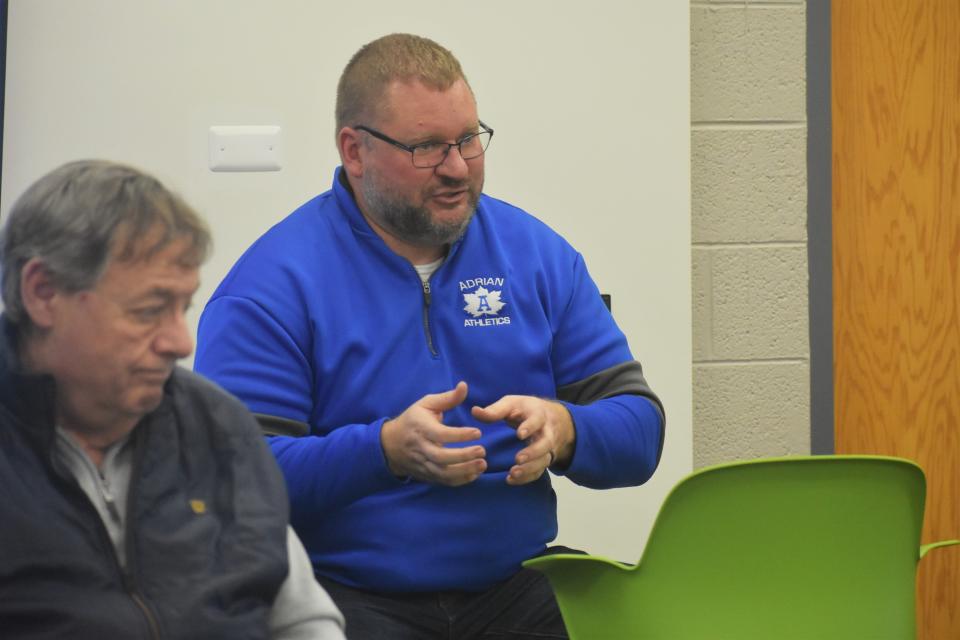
426	317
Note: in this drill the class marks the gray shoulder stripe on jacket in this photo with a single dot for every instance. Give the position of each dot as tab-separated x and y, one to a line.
622	379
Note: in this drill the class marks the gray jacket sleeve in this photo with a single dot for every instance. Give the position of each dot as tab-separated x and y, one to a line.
303	610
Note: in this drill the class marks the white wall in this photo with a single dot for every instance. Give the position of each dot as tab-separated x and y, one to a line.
590	104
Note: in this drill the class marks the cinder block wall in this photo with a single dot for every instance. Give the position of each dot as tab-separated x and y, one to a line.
751	394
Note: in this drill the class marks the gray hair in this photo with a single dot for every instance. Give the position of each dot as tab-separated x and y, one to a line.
82	214
398	56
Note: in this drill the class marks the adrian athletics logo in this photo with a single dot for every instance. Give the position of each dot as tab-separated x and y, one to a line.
484	303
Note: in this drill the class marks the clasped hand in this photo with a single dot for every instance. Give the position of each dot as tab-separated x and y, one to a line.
415	441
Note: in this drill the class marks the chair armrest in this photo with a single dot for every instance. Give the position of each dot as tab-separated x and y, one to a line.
277	426
541	562
934	545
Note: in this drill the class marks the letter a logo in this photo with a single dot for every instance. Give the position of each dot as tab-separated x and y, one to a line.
483	302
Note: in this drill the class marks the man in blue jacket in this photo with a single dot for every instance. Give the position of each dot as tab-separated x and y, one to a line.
445	348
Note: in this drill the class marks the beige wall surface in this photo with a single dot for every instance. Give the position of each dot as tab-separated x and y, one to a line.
590	104
751	355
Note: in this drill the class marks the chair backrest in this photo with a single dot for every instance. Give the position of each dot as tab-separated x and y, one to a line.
822	547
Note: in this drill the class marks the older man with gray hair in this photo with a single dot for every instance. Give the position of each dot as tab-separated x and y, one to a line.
137	500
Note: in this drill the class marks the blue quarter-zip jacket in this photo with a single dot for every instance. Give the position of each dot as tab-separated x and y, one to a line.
320	321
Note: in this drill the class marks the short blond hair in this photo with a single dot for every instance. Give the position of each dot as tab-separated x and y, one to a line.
396	57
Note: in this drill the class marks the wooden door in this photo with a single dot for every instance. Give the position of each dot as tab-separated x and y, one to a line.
896	259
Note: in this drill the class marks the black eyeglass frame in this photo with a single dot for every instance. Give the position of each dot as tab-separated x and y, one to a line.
412	149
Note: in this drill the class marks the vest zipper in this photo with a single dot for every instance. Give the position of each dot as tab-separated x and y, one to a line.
70	484
128	580
145	610
426	317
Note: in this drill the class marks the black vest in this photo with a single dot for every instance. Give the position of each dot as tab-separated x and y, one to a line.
206	523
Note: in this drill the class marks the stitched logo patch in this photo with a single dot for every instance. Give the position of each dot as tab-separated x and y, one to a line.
484	302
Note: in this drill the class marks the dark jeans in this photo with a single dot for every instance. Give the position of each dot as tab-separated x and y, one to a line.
522	608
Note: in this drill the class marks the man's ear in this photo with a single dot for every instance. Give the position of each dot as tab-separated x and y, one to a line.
349	144
38	292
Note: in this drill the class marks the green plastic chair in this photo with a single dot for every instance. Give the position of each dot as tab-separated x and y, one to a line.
805	548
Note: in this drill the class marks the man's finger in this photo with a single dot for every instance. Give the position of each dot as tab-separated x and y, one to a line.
529	427
535	450
447	400
528	472
499	410
448	456
463	473
447	435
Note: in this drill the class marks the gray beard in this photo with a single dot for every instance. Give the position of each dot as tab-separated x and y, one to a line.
410	224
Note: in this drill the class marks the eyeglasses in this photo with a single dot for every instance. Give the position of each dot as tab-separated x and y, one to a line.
428	155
